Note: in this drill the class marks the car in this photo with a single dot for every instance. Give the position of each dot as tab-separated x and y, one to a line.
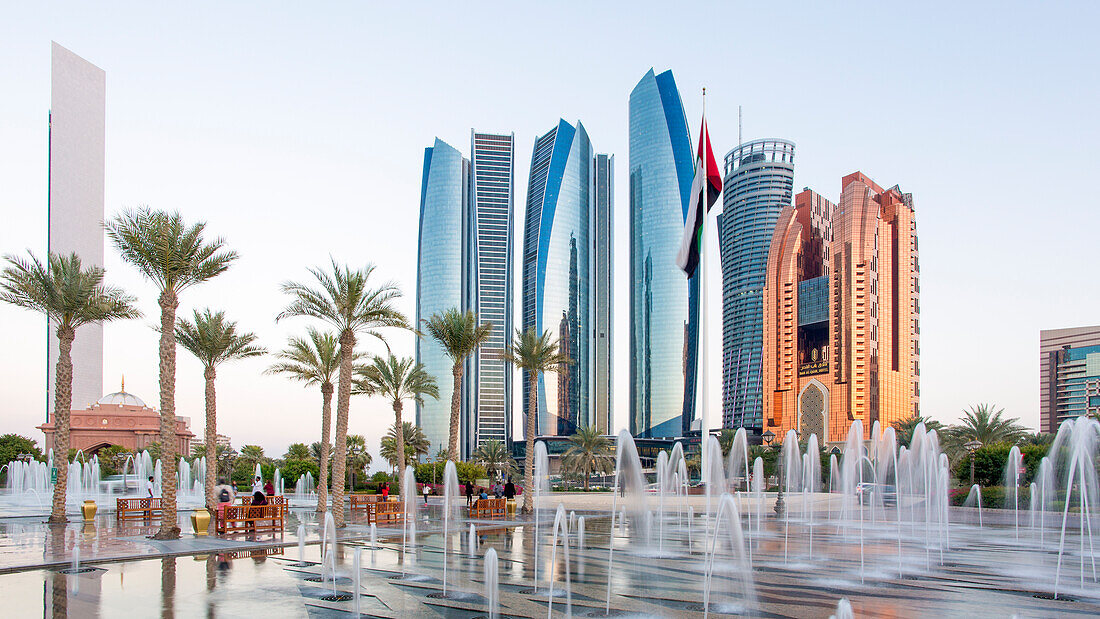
866	492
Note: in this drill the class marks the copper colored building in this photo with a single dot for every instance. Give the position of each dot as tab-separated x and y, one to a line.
841	312
118	418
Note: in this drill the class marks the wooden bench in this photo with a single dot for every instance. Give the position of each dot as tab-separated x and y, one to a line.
250	518
144	507
385	512
271	500
488	509
362	502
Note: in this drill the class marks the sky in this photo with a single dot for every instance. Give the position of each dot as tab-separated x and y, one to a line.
297	133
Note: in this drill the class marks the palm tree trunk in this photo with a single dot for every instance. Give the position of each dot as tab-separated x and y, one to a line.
211	445
529	466
399	443
456	402
169	529
326	422
62	404
343	401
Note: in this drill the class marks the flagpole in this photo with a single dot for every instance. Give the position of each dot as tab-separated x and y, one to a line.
703	383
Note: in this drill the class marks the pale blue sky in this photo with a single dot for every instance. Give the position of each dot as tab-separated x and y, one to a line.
299	132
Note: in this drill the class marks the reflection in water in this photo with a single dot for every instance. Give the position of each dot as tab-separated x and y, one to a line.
168	587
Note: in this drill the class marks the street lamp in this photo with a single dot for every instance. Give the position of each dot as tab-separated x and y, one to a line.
972	447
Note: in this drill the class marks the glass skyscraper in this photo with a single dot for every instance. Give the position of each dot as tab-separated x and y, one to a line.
490	288
441	274
603	283
464	261
664	304
566	229
759	180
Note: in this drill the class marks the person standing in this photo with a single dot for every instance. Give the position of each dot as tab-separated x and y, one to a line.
257	485
510	490
427	491
385	491
149	487
269	488
469	495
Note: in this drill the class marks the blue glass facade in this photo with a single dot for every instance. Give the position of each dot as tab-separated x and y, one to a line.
556	267
758	183
603	286
664	305
441	274
1078	380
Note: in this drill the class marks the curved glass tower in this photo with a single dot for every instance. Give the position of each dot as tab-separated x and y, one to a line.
759	179
664	305
441	272
556	261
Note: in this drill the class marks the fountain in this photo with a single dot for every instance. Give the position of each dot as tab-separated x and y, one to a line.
1013	469
738	558
541	479
450	492
328	551
492	585
471	546
843	610
974	498
373	541
561	525
408	526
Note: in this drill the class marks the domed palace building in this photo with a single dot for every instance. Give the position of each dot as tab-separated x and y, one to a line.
118	418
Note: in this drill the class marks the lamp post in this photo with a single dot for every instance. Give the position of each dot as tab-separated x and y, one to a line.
769	436
972	447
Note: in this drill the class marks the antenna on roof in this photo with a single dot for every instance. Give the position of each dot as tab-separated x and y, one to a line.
739	141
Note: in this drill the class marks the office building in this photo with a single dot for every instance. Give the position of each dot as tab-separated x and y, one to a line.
78	102
841	312
664	304
440	275
464	262
758	183
603	299
1069	375
489	291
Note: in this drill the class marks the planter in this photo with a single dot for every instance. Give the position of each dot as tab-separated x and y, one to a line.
200	520
88	509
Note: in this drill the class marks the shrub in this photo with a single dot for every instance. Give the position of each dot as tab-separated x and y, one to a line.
990	461
293	469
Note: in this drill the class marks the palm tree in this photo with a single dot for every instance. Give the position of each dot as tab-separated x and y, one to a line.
70	296
345	300
358	456
214	340
725	440
314	360
398	379
495	457
416	443
460	335
534	354
297	451
982	423
253	455
589	453
174	256
904	427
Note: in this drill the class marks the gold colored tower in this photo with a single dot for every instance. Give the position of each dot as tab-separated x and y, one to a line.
841	312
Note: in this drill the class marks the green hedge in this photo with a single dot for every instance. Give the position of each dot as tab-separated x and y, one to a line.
990	461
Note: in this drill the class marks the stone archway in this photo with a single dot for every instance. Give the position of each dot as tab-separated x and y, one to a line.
813	411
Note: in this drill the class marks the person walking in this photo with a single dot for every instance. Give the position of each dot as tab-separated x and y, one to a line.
469	495
427	491
149	487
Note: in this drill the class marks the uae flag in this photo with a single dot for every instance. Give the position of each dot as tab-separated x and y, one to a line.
705	190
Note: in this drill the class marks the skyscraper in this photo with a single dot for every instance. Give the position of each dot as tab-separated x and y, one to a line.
1069	375
464	262
664	305
76	174
441	275
759	178
490	289
841	312
556	272
603	283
